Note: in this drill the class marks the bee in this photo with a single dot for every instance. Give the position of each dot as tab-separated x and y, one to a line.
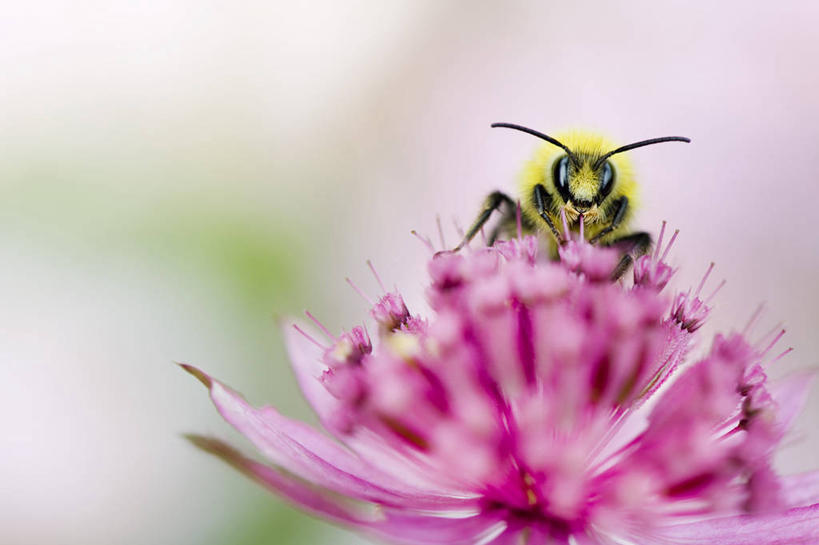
583	175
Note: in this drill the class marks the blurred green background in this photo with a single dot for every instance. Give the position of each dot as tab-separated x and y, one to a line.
175	176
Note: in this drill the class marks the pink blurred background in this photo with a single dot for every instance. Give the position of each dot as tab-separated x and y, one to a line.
176	174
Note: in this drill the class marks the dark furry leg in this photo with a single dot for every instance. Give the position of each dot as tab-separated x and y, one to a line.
493	202
632	246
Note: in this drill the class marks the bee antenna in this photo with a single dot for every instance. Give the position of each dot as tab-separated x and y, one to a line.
640	144
540	135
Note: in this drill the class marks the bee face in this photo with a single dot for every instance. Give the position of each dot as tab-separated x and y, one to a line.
581	180
581	186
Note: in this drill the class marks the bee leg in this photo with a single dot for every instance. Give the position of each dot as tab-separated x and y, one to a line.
543	201
503	226
507	225
619	214
633	246
492	203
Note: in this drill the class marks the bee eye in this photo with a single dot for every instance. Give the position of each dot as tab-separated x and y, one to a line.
606	181
561	177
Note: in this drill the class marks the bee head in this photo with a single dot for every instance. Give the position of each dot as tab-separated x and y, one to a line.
581	179
580	182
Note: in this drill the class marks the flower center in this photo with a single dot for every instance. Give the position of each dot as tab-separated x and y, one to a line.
528	389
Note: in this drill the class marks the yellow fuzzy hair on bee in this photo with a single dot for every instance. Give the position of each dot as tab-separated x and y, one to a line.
583	175
584	184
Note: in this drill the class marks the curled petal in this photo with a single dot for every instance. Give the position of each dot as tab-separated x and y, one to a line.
399	527
294	490
382	455
310	455
798	526
415	529
305	358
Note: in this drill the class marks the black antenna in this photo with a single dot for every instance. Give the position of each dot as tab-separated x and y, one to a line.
541	136
640	144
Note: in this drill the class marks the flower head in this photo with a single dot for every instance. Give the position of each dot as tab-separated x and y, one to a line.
534	406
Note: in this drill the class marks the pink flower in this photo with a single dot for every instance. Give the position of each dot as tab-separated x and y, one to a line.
536	404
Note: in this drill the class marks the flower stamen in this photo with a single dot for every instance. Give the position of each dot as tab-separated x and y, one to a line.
359	291
535	403
441	238
309	337
320	325
377	278
424	240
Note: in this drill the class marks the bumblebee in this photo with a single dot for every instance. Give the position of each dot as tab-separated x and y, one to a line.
584	175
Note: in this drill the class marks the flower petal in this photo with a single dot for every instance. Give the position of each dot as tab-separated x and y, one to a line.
415	529
381	454
292	489
798	526
314	457
399	527
305	359
307	364
507	537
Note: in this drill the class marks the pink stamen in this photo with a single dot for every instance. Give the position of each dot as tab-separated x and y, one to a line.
377	278
715	292
754	317
424	240
704	279
361	293
566	232
782	355
483	237
458	228
582	222
584	420
440	232
768	334
319	325
670	244
659	242
309	337
773	342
